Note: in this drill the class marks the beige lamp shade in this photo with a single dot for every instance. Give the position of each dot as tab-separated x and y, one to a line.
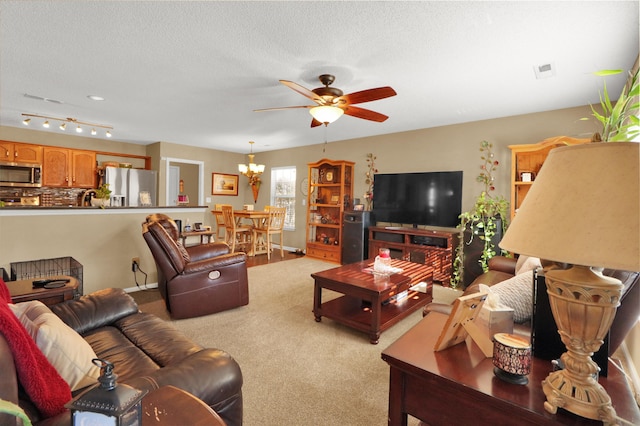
583	208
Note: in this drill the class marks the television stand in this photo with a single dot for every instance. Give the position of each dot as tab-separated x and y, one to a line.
430	245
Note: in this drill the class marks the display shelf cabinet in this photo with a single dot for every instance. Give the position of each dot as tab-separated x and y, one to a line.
526	162
330	192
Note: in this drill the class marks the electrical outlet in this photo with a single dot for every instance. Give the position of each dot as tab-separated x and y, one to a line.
135	263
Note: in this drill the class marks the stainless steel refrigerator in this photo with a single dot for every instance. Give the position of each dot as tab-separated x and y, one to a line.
132	187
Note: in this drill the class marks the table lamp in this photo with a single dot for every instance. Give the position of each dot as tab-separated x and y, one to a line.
583	210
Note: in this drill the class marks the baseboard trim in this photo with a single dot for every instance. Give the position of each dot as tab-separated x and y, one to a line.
141	288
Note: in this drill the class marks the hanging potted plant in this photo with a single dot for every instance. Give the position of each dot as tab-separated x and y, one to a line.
483	223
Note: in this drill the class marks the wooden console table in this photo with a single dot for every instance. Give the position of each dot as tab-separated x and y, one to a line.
436	246
457	386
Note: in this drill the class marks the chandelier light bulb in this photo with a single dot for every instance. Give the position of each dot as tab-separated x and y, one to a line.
46	124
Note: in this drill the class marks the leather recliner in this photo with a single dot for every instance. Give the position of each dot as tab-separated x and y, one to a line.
198	280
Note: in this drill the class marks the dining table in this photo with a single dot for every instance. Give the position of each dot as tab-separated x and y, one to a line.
257	219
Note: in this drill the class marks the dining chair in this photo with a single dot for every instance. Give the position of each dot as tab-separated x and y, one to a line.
273	225
220	227
236	234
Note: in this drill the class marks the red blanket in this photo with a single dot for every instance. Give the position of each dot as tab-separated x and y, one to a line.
47	390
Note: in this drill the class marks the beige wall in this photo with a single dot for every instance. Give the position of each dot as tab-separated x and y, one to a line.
452	147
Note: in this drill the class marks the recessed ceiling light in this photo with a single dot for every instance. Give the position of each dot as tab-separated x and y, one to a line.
95	98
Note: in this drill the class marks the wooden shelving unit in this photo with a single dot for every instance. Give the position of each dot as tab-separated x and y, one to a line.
330	192
526	161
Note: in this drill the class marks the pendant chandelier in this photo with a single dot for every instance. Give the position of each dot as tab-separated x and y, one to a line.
253	170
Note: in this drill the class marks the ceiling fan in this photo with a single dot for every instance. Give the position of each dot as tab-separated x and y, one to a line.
331	102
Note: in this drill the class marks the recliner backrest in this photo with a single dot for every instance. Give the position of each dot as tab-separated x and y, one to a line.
167	250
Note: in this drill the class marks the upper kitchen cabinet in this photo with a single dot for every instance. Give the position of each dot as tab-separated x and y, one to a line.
68	168
20	152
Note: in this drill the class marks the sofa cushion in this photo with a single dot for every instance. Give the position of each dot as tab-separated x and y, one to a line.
69	353
517	293
526	264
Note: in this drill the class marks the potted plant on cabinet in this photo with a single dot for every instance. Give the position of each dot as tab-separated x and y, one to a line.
102	196
486	221
620	122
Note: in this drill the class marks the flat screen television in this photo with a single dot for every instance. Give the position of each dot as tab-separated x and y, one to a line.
425	198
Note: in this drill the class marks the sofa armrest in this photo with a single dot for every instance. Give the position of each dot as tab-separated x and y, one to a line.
206	251
211	375
503	264
214	263
97	309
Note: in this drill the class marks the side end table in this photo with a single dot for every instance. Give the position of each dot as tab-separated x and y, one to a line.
23	291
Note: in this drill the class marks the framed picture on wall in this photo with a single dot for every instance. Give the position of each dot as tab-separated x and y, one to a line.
223	184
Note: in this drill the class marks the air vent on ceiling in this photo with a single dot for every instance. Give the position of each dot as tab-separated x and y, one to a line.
40	98
545	70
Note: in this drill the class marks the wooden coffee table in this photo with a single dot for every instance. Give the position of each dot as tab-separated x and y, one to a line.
370	303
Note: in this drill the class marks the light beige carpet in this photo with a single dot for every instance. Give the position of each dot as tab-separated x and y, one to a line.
296	371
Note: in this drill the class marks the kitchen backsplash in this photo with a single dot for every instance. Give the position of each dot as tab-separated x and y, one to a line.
48	196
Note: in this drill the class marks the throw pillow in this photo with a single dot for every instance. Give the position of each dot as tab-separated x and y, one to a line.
517	293
526	264
65	349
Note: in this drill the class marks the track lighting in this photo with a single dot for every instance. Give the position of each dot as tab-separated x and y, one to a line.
64	121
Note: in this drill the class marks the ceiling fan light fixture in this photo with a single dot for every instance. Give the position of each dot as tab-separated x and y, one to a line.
326	114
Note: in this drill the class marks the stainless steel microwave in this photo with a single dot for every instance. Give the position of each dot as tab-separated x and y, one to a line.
20	175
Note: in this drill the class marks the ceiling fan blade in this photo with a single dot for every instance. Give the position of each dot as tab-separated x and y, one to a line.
281	108
315	123
364	113
302	90
369	95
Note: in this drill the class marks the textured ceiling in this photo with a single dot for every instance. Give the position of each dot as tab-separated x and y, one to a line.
193	72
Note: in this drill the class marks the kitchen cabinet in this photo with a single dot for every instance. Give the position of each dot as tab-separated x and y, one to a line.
526	161
20	152
68	168
330	191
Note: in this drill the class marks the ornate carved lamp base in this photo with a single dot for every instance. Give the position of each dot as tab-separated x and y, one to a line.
584	303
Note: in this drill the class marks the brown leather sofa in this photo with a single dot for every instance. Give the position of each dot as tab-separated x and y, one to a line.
502	268
147	353
198	280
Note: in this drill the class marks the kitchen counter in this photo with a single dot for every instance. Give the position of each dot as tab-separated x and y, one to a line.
48	210
104	241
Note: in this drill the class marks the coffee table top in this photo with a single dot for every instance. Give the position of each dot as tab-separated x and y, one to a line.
358	275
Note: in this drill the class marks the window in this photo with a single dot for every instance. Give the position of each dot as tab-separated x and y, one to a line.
283	193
